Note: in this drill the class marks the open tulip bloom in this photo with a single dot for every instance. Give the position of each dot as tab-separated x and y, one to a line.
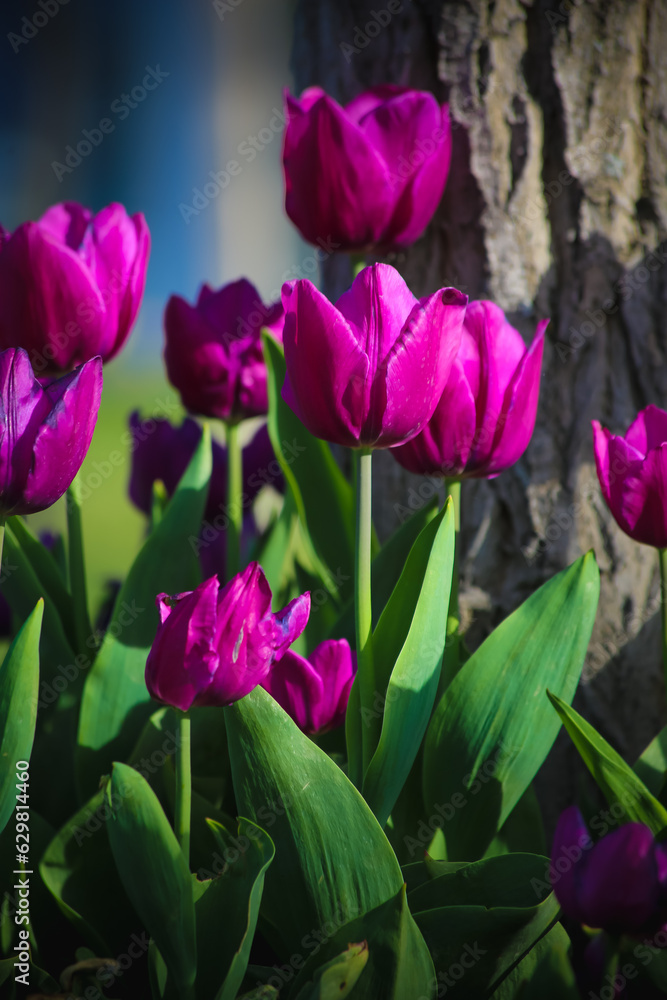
485	416
71	284
370	174
314	691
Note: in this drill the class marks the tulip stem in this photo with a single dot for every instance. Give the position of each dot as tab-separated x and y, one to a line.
450	663
77	567
183	795
362	589
234	509
662	556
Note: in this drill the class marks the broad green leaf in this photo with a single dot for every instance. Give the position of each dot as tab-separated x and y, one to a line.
483	918
544	973
616	779
651	767
322	494
522	831
314	815
492	728
153	872
231	901
416	654
115	701
398	964
274	553
47	571
19	686
338	977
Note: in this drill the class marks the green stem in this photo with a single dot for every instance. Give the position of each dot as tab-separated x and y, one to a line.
77	567
362	588
662	556
234	508
450	665
183	787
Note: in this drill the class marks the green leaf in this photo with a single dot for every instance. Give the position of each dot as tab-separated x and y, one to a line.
231	901
115	701
153	872
337	978
322	494
522	831
615	778
492	729
411	636
398	965
47	572
313	813
545	973
19	686
275	548
483	918
651	767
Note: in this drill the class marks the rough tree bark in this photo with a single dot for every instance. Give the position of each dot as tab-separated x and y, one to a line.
556	206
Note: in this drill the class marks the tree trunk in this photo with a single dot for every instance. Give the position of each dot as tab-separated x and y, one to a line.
556	205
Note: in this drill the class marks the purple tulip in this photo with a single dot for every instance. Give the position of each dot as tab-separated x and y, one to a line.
45	431
71	284
368	371
213	350
368	175
486	414
215	646
314	691
161	451
633	475
619	883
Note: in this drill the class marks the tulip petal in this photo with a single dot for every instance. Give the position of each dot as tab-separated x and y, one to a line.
618	885
571	841
337	186
373	98
638	498
66	223
417	368
198	364
23	407
327	369
290	623
183	660
298	689
335	664
64	436
648	430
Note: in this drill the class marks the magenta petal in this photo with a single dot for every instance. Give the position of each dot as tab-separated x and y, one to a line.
618	888
326	368
641	501
23	407
570	845
183	660
648	430
290	623
198	365
376	307
297	688
337	185
418	366
373	98
64	437
335	664
66	223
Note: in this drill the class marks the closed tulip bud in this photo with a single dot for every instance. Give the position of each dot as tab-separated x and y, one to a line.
314	691
368	371
216	645
213	350
485	416
632	471
619	883
71	284
369	175
45	431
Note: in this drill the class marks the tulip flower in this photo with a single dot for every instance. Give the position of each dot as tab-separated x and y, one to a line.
314	691
486	414
619	883
71	284
45	431
213	350
369	175
633	475
216	645
368	371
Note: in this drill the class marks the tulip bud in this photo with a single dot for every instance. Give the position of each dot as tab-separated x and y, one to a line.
369	175
45	431
485	417
314	691
215	646
71	284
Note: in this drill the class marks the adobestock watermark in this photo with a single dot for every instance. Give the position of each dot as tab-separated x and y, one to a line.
560	16
222	7
312	943
120	108
472	783
238	846
451	977
30	26
247	151
106	970
364	34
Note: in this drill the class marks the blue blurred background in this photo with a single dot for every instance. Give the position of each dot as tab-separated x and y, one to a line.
217	69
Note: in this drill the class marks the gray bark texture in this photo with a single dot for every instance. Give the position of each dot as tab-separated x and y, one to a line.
556	205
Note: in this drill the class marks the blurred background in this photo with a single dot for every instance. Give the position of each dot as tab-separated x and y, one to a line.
217	72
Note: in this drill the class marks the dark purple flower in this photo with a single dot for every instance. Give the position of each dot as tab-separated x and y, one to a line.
370	174
45	431
314	691
215	646
213	350
71	284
